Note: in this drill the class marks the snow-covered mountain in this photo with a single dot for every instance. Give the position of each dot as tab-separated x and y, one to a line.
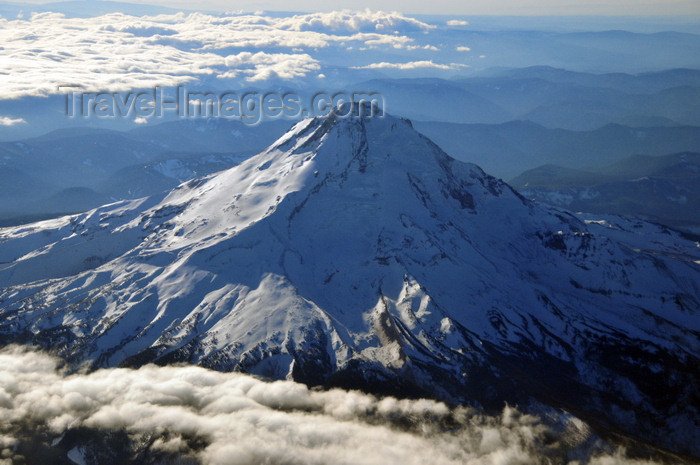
355	252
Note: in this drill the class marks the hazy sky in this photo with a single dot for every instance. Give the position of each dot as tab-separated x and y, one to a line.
457	7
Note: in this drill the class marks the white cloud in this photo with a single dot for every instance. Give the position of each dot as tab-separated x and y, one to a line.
422	47
229	418
49	50
457	22
7	121
260	66
117	52
355	21
462	48
410	65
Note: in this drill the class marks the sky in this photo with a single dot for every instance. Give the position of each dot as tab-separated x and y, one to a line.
448	7
457	7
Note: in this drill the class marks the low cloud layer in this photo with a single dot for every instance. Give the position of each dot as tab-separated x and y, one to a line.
349	21
117	52
410	65
190	415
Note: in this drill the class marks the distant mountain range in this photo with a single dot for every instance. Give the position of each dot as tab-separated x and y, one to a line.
508	149
76	169
551	97
665	189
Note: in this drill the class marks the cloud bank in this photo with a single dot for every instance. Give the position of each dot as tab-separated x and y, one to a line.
410	65
349	21
117	52
187	414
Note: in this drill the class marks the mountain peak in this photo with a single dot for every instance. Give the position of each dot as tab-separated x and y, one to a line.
348	118
378	167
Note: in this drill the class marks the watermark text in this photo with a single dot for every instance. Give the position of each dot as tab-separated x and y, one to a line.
248	107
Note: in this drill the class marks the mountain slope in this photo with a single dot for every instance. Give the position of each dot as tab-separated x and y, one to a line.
355	252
